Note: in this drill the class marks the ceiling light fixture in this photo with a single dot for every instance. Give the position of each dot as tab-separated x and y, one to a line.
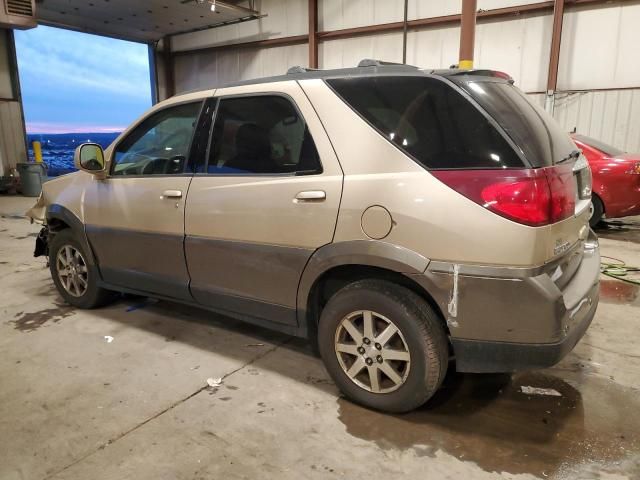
213	5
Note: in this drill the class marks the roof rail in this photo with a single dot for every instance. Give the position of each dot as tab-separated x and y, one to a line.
299	69
372	62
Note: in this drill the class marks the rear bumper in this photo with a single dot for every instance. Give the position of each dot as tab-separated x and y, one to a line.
503	320
486	357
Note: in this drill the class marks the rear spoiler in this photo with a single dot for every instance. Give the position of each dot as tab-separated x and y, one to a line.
456	72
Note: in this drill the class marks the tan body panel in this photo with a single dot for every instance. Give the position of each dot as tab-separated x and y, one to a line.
137	233
429	217
258	235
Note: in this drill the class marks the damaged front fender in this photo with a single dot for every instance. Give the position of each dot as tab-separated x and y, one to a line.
37	212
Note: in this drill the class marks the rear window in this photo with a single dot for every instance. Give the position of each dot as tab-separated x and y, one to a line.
541	139
429	120
598	145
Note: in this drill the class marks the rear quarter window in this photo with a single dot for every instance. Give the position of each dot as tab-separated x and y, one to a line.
535	132
429	120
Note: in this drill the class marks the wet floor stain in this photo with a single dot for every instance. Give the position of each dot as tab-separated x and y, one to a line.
617	291
30	322
486	419
626	230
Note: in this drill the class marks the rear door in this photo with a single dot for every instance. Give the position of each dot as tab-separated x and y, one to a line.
264	201
135	217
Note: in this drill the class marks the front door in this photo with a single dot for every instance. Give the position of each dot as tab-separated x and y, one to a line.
265	200
135	217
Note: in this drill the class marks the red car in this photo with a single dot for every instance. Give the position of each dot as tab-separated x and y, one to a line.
616	179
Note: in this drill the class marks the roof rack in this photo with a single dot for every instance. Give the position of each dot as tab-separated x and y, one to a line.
299	69
364	63
372	62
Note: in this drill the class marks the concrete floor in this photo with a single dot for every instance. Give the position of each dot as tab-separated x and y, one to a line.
75	406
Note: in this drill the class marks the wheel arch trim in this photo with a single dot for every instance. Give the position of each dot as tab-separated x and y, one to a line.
368	253
59	212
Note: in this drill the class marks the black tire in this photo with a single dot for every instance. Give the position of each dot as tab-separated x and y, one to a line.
92	296
423	335
597	212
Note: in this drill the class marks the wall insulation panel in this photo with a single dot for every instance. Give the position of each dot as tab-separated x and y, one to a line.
600	47
285	18
12	145
215	68
611	116
348	52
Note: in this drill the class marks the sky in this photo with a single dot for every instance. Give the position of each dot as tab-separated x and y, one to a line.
77	82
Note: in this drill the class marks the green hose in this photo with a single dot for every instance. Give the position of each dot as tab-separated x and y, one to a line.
619	270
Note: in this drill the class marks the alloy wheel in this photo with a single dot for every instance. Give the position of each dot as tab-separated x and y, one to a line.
72	270
372	351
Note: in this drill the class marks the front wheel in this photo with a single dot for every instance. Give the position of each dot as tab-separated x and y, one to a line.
75	279
383	345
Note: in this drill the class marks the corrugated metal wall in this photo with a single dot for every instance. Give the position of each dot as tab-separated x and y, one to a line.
12	143
611	116
12	146
600	50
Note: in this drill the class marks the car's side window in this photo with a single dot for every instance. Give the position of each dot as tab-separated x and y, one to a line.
160	144
262	134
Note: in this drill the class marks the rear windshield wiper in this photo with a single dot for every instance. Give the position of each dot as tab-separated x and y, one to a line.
572	155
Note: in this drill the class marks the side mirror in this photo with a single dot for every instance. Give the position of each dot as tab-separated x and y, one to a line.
89	157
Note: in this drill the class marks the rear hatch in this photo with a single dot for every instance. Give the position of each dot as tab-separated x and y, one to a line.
482	137
545	147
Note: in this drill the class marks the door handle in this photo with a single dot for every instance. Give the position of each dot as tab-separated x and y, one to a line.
310	196
172	194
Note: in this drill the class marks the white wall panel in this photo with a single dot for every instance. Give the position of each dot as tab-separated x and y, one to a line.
492	4
348	52
284	18
214	69
433	47
433	8
600	48
339	14
611	116
519	47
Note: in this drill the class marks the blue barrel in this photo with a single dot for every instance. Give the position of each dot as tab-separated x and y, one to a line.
32	175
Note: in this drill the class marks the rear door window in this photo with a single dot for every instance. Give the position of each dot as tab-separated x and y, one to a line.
429	120
261	135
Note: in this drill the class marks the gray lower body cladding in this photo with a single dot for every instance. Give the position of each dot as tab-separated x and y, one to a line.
515	319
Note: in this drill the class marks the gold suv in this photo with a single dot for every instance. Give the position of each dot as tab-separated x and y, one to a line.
407	220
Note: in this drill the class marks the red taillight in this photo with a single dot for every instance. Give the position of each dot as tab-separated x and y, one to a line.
533	197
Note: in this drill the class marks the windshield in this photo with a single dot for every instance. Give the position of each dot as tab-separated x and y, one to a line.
535	132
598	145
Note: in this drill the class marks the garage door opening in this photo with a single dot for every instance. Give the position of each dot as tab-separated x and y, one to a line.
77	87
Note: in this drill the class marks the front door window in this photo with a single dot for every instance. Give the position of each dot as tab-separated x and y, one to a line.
159	145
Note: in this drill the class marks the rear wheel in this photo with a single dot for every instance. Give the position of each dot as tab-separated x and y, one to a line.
383	345
75	279
597	211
